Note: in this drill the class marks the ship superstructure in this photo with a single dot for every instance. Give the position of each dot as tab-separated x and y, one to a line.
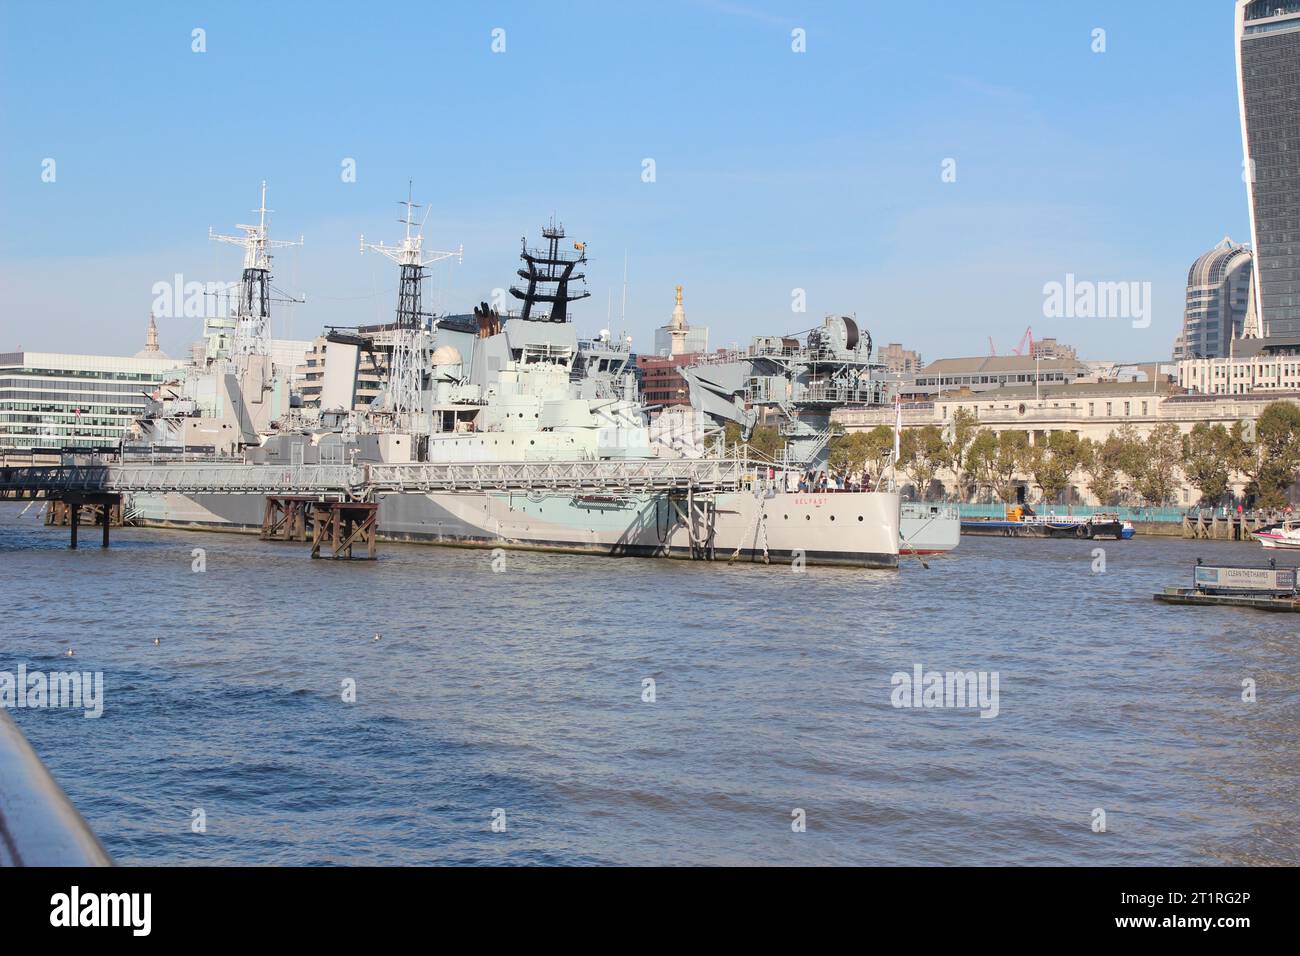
237	386
800	381
511	430
409	341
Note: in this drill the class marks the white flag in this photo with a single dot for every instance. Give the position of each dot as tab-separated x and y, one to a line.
898	425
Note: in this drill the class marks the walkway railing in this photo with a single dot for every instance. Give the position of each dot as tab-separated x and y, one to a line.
208	478
703	474
39	826
363	481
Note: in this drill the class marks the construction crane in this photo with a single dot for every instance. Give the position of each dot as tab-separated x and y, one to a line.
1026	340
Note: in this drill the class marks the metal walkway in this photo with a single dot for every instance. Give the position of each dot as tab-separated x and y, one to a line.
363	482
682	474
211	478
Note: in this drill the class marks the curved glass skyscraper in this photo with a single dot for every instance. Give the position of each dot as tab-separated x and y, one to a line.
1268	85
1218	292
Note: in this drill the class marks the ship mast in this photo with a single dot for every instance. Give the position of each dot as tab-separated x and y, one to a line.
406	369
409	256
548	273
253	311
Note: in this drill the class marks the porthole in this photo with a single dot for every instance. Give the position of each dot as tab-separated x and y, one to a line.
832	517
807	517
859	517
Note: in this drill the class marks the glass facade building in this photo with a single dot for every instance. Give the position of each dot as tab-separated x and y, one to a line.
1218	294
54	401
1268	83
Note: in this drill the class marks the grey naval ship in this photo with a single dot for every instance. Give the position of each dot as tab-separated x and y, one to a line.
491	429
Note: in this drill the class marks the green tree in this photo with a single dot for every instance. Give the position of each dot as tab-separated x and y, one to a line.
855	452
959	435
980	458
1100	462
996	458
1053	461
765	440
1208	461
1130	450
1156	473
921	455
1276	454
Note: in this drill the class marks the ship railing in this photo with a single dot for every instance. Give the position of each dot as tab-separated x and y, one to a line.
208	478
599	475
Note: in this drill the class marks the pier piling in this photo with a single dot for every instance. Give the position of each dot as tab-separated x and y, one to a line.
345	525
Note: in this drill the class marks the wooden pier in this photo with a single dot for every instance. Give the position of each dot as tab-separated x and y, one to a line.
71	511
1224	528
343	525
288	517
335	526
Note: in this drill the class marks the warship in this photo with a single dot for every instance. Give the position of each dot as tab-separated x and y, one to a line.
492	429
797	381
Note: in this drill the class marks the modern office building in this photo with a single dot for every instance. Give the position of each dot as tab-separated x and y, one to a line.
1268	88
55	401
1219	296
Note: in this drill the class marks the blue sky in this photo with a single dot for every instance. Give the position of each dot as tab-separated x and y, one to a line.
775	170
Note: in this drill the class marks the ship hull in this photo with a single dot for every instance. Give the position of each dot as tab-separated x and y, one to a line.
929	528
844	529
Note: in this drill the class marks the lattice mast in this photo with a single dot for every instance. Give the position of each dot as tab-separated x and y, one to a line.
253	310
548	272
407	364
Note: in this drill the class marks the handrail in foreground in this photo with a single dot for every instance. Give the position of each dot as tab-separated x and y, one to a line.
39	826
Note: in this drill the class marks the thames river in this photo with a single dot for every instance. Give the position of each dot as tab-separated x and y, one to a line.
508	717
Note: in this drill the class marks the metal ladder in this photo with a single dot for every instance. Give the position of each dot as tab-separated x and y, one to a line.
759	530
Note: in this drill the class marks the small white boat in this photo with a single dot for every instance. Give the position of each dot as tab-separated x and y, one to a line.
1283	537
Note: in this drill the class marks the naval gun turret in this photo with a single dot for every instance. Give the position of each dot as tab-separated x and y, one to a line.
800	382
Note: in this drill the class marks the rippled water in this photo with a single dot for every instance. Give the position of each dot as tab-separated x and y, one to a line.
522	691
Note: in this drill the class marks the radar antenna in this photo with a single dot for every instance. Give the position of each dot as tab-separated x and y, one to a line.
407	363
253	311
409	255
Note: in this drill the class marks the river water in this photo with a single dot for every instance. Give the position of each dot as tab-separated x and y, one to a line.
517	697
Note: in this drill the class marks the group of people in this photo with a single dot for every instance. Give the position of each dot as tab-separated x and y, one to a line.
820	482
